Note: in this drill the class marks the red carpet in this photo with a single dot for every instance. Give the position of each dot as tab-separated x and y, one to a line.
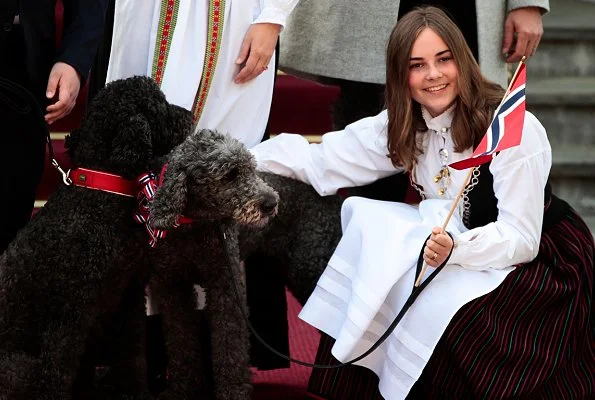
290	383
301	106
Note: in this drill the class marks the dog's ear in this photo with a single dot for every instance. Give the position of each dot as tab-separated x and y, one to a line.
131	148
169	201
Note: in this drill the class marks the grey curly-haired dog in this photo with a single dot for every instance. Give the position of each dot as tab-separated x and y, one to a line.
81	258
211	180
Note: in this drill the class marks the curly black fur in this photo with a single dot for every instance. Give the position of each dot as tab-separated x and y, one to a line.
210	178
81	257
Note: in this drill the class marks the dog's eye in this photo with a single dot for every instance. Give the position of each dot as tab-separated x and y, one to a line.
231	175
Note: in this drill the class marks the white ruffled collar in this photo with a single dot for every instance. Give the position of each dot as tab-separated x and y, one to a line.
440	123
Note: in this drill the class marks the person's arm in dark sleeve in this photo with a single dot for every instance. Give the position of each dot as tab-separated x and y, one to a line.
83	27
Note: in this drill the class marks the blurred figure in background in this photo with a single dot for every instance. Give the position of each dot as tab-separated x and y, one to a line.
32	64
343	43
214	58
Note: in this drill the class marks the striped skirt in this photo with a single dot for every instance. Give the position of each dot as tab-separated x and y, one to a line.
531	338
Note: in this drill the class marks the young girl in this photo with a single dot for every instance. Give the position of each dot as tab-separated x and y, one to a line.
509	314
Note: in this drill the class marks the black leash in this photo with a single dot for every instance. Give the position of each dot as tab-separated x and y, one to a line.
414	293
22	101
19	99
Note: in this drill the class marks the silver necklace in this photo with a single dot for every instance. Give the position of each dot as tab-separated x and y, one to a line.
442	178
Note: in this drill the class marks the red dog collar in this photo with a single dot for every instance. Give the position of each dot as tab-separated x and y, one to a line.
103	181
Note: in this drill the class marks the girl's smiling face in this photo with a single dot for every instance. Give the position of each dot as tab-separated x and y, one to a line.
432	73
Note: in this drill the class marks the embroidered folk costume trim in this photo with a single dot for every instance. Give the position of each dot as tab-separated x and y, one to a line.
167	24
214	34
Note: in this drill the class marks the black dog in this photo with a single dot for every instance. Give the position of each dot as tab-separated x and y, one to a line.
82	257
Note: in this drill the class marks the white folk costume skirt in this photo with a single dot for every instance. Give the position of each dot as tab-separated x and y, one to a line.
371	275
180	30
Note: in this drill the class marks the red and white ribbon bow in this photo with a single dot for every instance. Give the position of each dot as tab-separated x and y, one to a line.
148	184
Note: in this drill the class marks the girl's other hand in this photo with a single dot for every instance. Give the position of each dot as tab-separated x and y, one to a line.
438	247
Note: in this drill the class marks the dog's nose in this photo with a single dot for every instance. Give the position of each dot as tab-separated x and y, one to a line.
268	206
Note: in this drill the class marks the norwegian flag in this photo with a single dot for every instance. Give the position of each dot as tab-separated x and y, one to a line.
506	128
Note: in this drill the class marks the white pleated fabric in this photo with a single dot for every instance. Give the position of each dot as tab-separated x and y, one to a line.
238	110
369	278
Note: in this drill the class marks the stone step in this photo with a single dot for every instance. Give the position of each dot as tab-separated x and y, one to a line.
590	221
573	176
573	161
580	193
567	47
566	107
570	14
567	90
563	58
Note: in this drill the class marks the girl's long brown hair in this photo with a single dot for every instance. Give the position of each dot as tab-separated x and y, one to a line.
475	103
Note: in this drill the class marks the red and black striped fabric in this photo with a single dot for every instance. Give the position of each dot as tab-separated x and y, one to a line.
347	383
531	338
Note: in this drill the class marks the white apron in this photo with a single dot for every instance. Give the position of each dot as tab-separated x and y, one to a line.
369	278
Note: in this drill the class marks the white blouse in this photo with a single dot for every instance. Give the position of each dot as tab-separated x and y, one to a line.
275	11
358	155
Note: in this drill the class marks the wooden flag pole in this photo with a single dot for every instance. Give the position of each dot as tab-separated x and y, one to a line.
452	210
469	174
512	80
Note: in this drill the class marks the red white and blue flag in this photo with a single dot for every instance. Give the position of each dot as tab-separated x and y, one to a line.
506	128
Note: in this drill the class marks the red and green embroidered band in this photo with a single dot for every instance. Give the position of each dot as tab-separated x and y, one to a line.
214	35
167	24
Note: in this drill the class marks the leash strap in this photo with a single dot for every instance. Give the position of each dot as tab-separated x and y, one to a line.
414	293
21	101
17	97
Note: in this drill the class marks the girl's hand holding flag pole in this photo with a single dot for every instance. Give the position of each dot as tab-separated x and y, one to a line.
504	132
